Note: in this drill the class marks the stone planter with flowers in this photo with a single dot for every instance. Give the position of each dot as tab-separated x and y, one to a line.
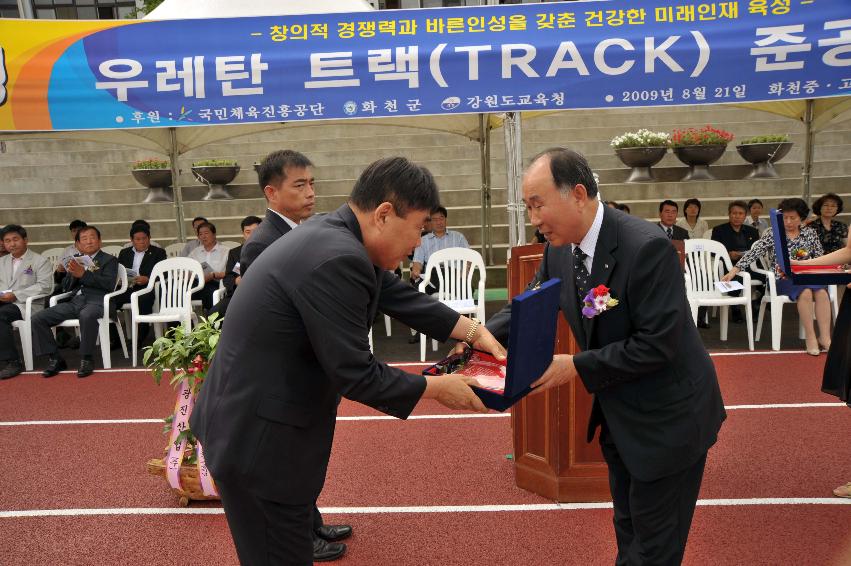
762	152
641	150
216	174
699	148
155	174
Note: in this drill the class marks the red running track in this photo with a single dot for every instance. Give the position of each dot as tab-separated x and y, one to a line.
762	453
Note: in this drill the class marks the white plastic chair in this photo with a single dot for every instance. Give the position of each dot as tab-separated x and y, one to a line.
111	250
219	294
455	268
104	321
53	255
24	327
173	250
174	279
705	264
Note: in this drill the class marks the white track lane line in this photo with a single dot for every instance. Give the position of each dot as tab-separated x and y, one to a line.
389	418
428	363
27	513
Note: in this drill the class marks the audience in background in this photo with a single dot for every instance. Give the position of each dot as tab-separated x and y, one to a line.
691	221
23	274
440	238
193	244
146	224
737	238
832	233
624	208
232	268
213	258
803	243
74	227
140	259
89	285
755	208
3	250
668	210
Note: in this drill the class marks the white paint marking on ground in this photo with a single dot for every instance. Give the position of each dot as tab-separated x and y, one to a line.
28	513
450	416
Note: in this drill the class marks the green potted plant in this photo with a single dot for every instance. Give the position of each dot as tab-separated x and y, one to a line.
185	356
155	174
641	150
762	152
216	174
699	148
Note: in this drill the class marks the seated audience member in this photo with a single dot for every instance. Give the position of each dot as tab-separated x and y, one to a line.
3	250
831	232
755	208
691	221
439	239
624	208
89	285
74	227
799	237
668	210
193	244
23	274
232	268
213	257
612	204
146	224
140	259
737	238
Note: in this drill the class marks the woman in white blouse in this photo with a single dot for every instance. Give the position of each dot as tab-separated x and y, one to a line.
691	221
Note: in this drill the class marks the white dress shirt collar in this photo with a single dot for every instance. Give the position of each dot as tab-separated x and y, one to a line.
284	218
589	242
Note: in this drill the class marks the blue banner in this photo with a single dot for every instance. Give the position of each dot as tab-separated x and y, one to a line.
421	62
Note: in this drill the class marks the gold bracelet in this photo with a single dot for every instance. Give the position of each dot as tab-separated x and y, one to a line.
471	332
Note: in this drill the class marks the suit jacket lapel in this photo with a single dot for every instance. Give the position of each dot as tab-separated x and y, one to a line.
277	222
604	260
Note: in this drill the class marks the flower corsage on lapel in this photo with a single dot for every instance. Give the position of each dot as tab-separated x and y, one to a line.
597	301
800	254
28	270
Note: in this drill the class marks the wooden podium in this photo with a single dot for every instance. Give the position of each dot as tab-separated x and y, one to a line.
552	457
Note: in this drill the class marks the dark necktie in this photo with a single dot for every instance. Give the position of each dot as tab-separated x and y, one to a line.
670	232
580	273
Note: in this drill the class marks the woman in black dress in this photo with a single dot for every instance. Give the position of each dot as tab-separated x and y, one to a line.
837	368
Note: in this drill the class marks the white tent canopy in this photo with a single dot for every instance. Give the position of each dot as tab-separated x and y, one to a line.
195	9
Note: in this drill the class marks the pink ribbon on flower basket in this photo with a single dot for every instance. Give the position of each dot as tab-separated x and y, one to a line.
179	423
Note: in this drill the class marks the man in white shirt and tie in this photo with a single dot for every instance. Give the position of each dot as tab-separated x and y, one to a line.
23	274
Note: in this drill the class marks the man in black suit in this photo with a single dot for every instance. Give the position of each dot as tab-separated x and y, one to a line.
90	285
286	179
656	396
738	238
141	257
297	339
668	211
233	269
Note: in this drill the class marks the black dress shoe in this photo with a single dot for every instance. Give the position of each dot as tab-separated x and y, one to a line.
13	368
87	368
54	366
324	551
333	533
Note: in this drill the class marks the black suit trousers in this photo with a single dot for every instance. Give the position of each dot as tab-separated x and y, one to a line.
87	313
9	313
267	533
652	519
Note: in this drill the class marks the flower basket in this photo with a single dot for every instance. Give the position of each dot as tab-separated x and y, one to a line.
216	174
699	148
158	181
762	152
187	355
641	150
190	482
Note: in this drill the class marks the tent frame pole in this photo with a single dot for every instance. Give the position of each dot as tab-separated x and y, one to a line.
485	164
514	170
178	193
809	147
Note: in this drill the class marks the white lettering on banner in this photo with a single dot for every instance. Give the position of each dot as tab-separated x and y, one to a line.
780	53
331	66
575	61
472	52
600	54
232	68
703	49
406	67
831	56
111	70
509	60
192	76
652	52
434	65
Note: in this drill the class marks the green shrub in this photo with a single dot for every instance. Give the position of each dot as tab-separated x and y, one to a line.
151	163
770	138
214	163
